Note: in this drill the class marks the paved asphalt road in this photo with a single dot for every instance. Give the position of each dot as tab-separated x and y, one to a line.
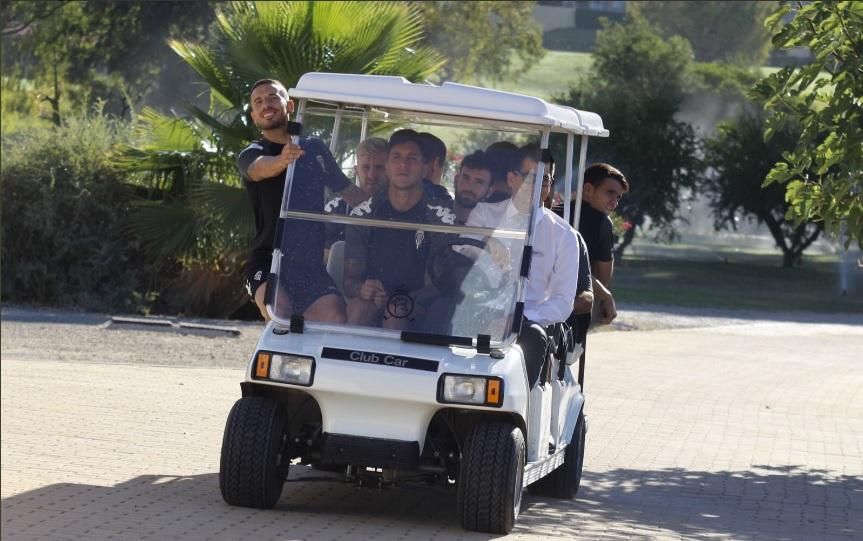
742	429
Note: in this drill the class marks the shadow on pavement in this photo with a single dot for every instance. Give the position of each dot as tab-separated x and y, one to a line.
793	504
779	503
313	506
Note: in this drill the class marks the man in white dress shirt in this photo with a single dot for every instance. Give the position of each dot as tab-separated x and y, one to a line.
553	275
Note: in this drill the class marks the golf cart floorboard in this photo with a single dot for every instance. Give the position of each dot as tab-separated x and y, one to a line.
534	471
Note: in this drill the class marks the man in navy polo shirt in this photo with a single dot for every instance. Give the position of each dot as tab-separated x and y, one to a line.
309	290
434	158
385	269
604	185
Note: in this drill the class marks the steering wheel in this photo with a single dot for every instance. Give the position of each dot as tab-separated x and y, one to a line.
449	269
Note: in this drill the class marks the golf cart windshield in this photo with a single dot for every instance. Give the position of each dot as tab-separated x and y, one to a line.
420	255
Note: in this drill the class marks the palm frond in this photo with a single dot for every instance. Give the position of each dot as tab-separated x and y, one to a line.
167	231
226	204
159	132
231	135
223	85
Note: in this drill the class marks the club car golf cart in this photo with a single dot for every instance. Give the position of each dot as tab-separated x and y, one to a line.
421	394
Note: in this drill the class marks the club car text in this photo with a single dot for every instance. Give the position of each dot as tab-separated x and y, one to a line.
371	357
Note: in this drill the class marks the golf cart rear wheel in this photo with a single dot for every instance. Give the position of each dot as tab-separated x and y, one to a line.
565	480
255	457
490	478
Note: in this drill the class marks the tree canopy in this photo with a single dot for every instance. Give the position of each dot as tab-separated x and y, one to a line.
639	82
716	30
77	52
482	41
823	174
738	160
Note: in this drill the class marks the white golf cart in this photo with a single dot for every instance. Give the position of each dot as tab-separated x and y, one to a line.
420	396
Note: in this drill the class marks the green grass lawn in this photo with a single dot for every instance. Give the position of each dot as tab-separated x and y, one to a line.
725	277
557	72
551	76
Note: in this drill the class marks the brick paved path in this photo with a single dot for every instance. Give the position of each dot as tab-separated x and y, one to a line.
748	431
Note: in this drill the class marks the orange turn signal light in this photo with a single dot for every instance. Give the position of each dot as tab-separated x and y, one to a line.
262	368
492	391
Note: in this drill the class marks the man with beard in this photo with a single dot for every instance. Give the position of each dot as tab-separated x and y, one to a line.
472	184
262	165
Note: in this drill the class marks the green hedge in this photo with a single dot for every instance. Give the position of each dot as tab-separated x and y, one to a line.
64	241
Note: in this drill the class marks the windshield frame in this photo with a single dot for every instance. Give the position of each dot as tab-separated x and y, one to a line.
366	113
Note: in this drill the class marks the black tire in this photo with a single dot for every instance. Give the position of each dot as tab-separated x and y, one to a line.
565	480
490	478
255	459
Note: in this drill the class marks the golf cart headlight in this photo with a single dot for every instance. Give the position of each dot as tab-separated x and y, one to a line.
481	391
292	369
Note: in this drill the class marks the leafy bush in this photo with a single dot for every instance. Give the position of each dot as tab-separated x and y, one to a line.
63	209
19	105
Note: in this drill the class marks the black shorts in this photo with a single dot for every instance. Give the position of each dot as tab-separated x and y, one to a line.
256	271
303	283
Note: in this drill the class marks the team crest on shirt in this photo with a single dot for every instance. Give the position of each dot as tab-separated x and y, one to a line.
446	215
418	238
332	205
363	208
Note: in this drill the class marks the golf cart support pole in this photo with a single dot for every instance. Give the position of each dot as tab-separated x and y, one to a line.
294	128
364	128
582	158
567	181
537	185
337	124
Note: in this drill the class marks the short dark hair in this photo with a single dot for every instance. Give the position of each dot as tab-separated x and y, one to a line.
433	147
504	157
407	135
478	160
531	151
598	172
273	82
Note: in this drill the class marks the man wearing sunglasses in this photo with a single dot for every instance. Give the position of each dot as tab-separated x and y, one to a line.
552	283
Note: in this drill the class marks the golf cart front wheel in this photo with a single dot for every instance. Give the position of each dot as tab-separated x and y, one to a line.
490	478
255	459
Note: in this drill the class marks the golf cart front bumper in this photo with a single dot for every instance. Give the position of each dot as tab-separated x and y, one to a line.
369	388
392	454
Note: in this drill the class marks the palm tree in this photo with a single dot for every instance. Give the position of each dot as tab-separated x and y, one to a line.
196	216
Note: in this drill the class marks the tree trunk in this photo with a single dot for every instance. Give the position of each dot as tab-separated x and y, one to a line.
776	232
628	235
793	246
55	101
800	242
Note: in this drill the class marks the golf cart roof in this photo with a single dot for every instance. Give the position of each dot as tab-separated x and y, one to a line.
448	99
